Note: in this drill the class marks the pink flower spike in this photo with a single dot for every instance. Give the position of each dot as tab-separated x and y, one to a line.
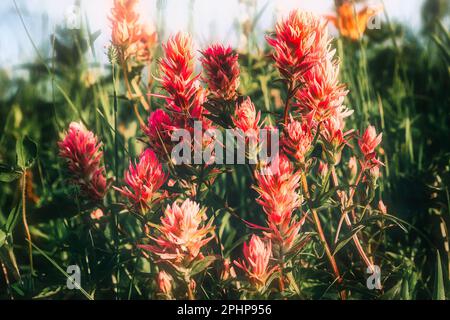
257	256
81	150
182	233
247	119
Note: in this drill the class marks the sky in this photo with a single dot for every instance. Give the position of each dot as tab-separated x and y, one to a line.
211	20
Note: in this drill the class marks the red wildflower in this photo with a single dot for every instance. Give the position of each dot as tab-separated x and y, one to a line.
144	179
299	42
178	77
221	70
277	191
81	150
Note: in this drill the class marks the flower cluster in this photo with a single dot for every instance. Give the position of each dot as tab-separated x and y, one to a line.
81	149
185	96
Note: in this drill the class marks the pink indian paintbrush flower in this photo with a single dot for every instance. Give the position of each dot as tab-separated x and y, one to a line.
144	180
256	262
178	78
277	191
299	42
221	69
322	95
279	198
182	234
368	143
81	149
297	140
247	119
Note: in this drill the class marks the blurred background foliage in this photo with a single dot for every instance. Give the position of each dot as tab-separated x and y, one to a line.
399	80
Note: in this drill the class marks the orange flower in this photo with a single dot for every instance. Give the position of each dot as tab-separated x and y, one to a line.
353	24
257	256
124	20
182	233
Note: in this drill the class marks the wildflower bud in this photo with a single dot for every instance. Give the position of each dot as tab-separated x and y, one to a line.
227	270
298	140
164	281
323	169
97	214
257	256
353	168
246	119
382	207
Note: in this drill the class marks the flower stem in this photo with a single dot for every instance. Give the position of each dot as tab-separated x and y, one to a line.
25	222
349	223
322	237
130	93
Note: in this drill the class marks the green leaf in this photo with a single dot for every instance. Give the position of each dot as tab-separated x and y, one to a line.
26	151
348	237
2	238
201	265
8	174
439	290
